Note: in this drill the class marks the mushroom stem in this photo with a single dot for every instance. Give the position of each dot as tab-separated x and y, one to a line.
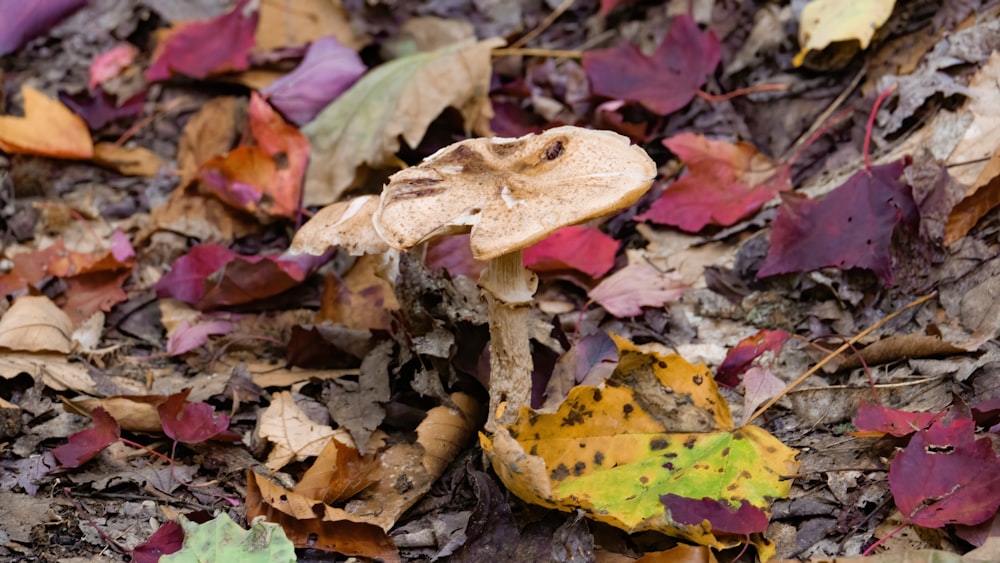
508	288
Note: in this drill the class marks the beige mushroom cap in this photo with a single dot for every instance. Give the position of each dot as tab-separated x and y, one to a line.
512	193
345	224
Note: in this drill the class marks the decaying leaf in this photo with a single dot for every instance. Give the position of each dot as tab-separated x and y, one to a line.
293	435
130	161
657	426
826	22
34	324
397	99
341	471
48	128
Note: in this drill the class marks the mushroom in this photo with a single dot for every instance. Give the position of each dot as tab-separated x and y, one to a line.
509	194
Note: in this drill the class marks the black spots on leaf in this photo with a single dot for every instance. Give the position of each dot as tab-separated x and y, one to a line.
534	450
669	466
597	395
599	458
745	475
280	160
559	473
698	379
577	415
643	479
689	443
582	445
533	418
724	452
658	444
661	364
732	487
627	410
578	468
720	470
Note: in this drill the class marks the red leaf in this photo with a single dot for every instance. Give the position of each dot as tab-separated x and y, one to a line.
192	423
725	183
663	83
167	539
741	357
455	255
849	228
212	276
199	49
23	21
745	520
85	445
946	476
580	248
110	63
878	419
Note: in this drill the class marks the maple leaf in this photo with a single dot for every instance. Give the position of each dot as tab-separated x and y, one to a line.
200	49
740	357
48	128
663	83
577	247
193	423
23	21
168	538
725	183
878	420
851	227
946	476
85	445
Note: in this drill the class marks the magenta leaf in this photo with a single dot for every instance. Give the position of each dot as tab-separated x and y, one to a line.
877	418
167	539
663	83
946	476
23	21
188	336
635	286
200	49
85	445
745	520
326	72
577	247
193	423
849	228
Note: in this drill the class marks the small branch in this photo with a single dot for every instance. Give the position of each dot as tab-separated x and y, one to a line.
554	53
715	99
546	23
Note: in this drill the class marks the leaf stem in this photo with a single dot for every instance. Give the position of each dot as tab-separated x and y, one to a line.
871	124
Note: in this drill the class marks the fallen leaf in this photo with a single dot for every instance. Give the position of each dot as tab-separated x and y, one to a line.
577	247
740	357
134	413
590	361
221	539
851	227
48	128
110	63
361	300
193	423
340	471
945	475
658	424
311	20
400	98
293	434
879	420
55	371
327	71
981	198
100	108
625	292
663	83
746	519
167	539
85	445
189	336
24	21
759	385
454	254
130	161
827	22
35	324
725	183
200	49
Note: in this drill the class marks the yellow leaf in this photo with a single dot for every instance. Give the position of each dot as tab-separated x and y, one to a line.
825	22
48	128
130	161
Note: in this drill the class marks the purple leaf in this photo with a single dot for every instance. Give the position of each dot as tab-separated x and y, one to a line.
22	20
325	73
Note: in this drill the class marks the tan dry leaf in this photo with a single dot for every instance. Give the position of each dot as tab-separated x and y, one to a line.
361	300
212	131
55	371
130	161
294	435
340	471
289	23
397	99
133	413
981	198
197	216
35	324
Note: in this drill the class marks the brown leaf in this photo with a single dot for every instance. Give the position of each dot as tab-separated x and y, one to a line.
35	324
130	161
340	471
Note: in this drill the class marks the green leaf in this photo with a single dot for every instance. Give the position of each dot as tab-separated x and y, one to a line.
221	539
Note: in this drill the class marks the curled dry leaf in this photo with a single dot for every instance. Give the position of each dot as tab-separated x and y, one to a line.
340	471
293	434
397	99
35	324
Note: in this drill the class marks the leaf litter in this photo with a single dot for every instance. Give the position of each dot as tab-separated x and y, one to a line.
166	354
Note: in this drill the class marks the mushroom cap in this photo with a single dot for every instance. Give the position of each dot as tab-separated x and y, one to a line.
345	224
511	193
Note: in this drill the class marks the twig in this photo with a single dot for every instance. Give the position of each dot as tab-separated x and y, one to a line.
554	53
839	101
548	21
836	353
715	99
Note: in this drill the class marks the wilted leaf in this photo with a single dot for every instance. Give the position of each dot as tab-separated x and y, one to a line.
741	357
23	21
946	476
48	128
879	420
34	324
85	445
658	425
625	292
221	539
397	99
851	227
577	247
824	22
725	183
193	423
200	49
55	371
326	72
663	83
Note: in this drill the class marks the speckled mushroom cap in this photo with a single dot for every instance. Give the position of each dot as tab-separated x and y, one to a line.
345	224
512	193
